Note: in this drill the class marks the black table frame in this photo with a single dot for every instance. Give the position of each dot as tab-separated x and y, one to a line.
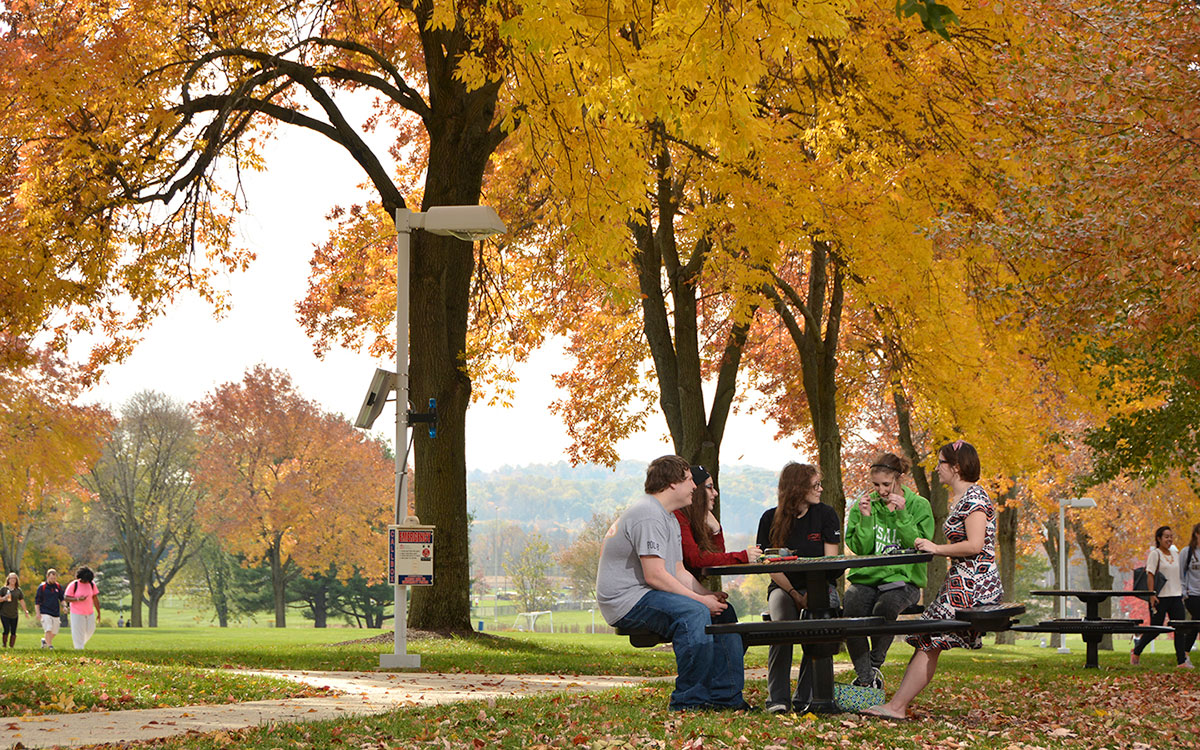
1092	635
815	570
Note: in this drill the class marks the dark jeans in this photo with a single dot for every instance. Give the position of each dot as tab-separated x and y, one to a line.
710	668
867	601
1167	605
1193	607
10	626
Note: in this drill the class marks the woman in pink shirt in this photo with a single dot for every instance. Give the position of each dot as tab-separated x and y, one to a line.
85	606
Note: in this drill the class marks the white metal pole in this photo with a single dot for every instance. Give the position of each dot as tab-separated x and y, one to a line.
400	657
1062	572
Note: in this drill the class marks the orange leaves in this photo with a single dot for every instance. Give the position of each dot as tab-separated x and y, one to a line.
284	476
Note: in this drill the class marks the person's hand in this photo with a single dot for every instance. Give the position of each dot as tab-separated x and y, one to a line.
715	605
864	505
1153	602
895	502
925	545
722	595
800	598
753	552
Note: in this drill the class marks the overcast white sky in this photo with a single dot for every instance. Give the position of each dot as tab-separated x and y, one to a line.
187	353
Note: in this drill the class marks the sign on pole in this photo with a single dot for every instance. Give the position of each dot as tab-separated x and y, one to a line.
410	555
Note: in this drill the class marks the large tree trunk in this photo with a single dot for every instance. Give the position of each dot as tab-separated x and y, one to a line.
1007	518
1100	578
152	600
936	492
817	344
137	592
460	143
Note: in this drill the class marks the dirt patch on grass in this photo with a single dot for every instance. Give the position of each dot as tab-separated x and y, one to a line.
389	636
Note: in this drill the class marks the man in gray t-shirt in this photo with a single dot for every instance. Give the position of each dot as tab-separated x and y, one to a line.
641	583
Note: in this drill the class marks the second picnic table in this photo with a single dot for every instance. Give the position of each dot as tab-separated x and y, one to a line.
1092	627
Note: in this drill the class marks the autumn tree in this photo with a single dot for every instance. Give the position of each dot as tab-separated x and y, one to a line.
288	484
146	491
581	558
45	442
529	571
128	185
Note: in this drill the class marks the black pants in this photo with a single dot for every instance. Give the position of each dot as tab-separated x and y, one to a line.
1193	607
1167	605
10	627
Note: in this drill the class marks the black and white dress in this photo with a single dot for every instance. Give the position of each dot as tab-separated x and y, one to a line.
971	581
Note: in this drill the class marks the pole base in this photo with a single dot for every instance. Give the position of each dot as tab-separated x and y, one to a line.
399	661
1064	650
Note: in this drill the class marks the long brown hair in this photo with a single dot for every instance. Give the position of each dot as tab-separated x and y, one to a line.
697	516
794	483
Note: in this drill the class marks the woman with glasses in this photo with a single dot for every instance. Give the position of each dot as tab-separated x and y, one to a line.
891	518
703	538
808	528
973	578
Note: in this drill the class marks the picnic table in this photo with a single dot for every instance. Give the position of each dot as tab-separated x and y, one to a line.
1092	627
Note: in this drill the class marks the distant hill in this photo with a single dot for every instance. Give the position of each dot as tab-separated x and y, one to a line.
562	497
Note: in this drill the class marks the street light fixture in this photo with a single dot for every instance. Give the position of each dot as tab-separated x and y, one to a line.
468	223
1063	504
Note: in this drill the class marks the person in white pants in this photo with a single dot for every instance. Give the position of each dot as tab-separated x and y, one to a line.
84	599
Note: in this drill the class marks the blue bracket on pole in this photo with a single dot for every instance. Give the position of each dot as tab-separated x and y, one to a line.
429	417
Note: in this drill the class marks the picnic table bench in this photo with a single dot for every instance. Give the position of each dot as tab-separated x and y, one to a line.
1092	627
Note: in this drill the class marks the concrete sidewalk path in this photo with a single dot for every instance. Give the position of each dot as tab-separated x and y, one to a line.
356	693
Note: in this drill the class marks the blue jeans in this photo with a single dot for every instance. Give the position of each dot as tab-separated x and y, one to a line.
710	670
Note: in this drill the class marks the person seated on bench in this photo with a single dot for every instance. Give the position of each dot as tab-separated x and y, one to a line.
973	578
641	584
807	528
892	517
703	538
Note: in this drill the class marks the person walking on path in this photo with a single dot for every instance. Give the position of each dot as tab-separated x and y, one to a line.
10	597
47	606
641	583
84	598
973	578
1190	582
1168	601
891	518
807	528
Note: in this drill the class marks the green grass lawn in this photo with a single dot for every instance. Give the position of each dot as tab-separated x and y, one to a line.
1005	697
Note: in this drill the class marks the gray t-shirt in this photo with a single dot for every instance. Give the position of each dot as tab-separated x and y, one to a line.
646	528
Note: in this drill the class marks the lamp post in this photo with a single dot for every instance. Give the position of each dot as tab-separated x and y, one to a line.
1063	504
468	223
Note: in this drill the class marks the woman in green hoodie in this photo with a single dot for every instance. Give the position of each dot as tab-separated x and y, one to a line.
892	517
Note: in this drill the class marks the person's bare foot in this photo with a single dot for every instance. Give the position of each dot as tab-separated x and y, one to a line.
883	712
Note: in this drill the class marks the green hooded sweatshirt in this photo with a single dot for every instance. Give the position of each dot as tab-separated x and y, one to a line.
885	529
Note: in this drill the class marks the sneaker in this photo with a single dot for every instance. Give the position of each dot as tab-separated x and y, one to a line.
1186	664
777	708
44	643
876	679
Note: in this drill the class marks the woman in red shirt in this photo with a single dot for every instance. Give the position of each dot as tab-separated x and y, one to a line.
703	538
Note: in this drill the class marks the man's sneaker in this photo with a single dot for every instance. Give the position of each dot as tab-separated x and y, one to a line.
44	643
777	708
876	679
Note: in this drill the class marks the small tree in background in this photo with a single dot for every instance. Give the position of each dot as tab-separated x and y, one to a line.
580	560
530	574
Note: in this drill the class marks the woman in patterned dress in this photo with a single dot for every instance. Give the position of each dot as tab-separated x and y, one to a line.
973	578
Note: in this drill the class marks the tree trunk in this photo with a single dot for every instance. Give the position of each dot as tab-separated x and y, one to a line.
320	609
152	600
12	545
1100	578
278	581
137	592
1050	544
460	144
1007	517
936	493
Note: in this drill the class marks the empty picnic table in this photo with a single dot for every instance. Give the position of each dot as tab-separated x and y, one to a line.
1092	627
